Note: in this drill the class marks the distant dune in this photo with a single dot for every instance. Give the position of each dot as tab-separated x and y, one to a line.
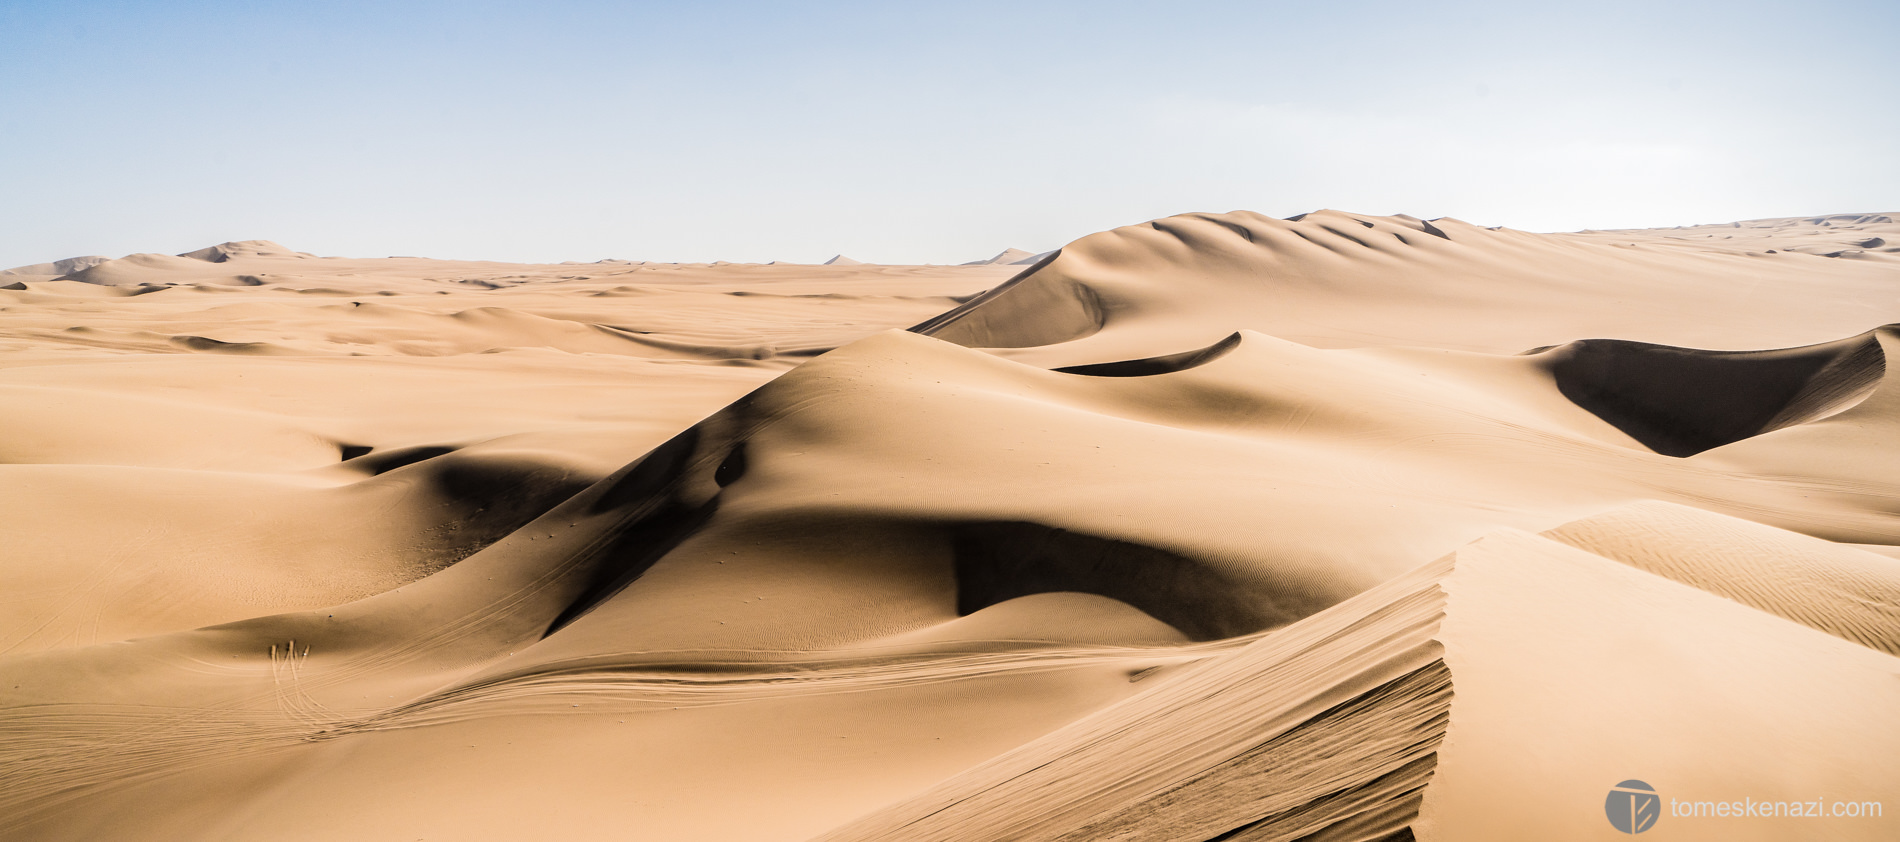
1008	257
1217	527
58	267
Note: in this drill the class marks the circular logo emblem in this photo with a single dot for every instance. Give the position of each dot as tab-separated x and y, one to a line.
1633	807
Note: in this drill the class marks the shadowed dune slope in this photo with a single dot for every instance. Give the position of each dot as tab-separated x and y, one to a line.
1682	401
1024	311
1157	365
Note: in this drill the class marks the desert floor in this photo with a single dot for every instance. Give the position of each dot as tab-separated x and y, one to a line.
1217	527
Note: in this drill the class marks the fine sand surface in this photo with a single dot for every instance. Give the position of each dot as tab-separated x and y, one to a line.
1219	527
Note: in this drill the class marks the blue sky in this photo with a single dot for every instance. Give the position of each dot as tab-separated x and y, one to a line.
903	132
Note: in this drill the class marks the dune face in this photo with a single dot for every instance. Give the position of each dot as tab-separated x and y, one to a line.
1218	527
1681	401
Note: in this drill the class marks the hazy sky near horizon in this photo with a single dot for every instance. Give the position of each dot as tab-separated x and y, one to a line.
913	132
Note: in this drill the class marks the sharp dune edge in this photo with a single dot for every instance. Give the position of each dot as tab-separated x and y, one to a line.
1219	527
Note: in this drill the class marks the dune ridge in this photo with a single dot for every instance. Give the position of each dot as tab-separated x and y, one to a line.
1337	279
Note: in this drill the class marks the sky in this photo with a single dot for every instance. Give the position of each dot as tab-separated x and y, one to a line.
904	132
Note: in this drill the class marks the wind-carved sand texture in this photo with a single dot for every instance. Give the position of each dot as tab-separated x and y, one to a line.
1218	527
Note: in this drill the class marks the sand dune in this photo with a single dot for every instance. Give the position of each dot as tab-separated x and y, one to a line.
1682	401
1216	527
1848	593
1333	279
1009	257
54	269
1393	713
